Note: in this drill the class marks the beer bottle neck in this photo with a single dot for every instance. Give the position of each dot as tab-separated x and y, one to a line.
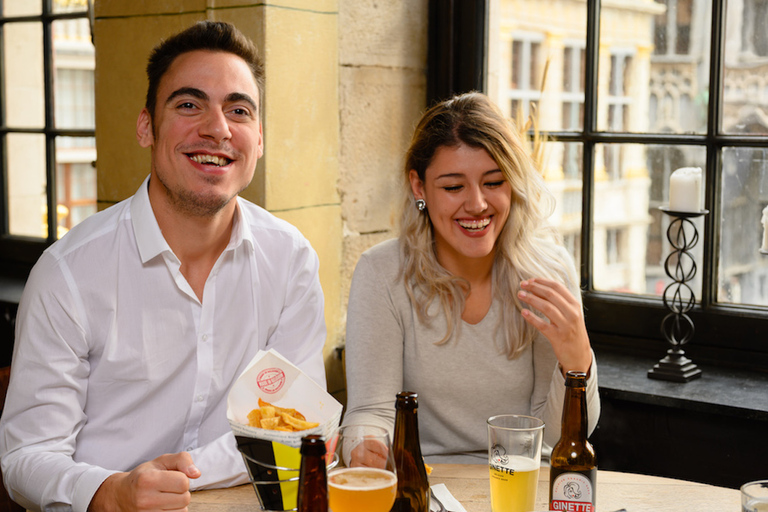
574	424
313	481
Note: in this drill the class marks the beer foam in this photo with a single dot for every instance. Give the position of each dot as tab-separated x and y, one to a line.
518	463
356	479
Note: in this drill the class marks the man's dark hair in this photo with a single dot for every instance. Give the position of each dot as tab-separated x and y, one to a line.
214	36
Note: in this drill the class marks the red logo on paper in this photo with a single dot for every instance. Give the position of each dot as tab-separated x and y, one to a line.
271	380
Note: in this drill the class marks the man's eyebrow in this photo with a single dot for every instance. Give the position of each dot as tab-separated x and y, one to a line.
187	91
241	96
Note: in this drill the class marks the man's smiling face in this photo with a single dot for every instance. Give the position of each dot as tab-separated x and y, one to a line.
206	134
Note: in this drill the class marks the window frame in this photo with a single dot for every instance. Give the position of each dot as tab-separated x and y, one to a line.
19	253
725	334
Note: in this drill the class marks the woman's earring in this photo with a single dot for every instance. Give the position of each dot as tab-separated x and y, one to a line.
421	205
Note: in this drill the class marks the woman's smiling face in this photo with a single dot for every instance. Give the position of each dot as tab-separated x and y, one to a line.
468	201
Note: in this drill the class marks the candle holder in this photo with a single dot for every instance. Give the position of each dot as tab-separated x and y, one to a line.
677	327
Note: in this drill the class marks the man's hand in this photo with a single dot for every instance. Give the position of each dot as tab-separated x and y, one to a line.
160	484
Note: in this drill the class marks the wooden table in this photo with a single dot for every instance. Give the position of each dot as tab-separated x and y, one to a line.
469	485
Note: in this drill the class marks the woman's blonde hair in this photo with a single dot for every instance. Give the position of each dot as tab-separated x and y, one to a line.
527	245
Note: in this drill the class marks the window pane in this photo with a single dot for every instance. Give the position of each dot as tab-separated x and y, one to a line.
22	7
630	244
24	82
540	61
745	91
653	68
27	185
75	180
74	61
70	6
743	269
562	168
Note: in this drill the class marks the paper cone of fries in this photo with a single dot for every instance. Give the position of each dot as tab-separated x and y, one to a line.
272	456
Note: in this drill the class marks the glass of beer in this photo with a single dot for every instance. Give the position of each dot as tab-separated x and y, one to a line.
754	496
365	477
514	457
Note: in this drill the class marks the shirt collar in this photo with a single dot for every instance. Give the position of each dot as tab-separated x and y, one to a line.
149	237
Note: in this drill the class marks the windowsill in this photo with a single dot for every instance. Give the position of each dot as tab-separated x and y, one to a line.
721	391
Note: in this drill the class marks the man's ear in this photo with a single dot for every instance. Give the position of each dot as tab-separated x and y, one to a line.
144	133
261	141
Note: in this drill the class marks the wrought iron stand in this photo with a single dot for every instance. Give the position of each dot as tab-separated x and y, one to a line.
677	327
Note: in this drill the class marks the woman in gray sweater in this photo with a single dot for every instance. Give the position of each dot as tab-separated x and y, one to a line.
476	305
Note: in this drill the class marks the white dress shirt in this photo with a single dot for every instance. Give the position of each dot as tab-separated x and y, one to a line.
116	360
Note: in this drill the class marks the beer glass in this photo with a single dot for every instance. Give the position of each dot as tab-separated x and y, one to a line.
754	496
514	457
365	477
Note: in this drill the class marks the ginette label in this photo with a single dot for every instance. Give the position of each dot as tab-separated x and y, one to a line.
572	492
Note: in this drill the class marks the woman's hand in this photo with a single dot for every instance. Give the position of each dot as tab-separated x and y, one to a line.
370	453
565	329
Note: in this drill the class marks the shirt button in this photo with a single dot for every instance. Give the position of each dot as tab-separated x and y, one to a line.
205	337
190	448
200	398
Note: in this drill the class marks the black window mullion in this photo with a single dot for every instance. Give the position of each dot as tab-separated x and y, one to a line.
458	31
592	54
4	223
50	141
715	146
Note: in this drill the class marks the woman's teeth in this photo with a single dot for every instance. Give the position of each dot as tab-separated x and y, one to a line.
474	225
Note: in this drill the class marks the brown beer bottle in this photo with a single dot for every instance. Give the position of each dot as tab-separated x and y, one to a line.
412	484
573	465
313	481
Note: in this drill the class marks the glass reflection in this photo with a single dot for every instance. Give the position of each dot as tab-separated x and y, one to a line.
27	185
745	91
74	74
75	181
24	99
743	270
629	234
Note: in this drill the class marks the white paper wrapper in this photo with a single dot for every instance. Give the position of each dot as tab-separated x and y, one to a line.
276	380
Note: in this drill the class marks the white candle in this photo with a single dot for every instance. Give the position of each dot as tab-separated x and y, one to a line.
765	229
685	190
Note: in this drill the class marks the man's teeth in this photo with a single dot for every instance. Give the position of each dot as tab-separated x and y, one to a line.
210	159
474	225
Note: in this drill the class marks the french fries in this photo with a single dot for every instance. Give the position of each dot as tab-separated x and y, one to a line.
271	417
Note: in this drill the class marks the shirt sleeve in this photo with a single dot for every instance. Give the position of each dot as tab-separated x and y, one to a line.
374	350
220	464
44	410
300	334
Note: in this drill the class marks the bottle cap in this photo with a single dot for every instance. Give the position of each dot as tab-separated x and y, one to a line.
312	445
407	400
575	379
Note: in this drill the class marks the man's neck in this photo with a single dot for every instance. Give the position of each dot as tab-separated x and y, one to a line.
197	241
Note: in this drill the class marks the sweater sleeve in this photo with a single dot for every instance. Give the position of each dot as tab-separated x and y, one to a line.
551	410
374	349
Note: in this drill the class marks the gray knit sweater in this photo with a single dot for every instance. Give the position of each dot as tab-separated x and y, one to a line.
460	384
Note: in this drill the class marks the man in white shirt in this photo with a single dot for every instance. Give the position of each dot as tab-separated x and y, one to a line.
133	327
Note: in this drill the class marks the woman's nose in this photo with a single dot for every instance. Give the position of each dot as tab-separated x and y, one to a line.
476	202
